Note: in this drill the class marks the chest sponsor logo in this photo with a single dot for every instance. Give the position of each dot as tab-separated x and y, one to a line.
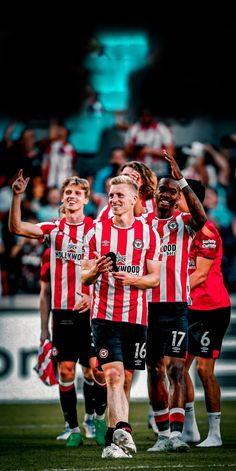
120	258
209	244
135	269
66	256
72	246
138	244
168	249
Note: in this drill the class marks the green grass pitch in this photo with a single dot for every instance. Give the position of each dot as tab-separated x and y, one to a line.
28	431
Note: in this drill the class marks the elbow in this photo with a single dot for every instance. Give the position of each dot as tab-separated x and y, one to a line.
156	282
14	228
202	221
202	278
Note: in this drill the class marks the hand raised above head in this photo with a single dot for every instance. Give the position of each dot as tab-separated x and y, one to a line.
174	166
20	184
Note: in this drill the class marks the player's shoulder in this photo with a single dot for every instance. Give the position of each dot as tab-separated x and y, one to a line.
88	221
210	230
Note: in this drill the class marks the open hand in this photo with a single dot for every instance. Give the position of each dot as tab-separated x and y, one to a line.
176	173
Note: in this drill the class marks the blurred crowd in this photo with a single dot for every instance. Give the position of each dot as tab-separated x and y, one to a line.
49	160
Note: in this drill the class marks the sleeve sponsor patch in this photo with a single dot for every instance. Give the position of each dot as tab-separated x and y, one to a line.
208	244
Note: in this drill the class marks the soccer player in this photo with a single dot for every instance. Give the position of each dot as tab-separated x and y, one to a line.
167	317
146	181
71	333
119	308
94	386
208	318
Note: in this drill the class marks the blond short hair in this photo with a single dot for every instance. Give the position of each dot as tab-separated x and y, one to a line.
125	180
81	182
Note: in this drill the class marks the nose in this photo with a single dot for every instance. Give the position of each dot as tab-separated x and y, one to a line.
114	199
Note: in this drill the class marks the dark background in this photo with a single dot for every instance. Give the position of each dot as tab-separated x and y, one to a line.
42	45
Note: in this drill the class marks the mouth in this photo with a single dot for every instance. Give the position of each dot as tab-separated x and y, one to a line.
164	202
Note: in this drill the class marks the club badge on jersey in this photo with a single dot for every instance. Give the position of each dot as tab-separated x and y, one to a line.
46	367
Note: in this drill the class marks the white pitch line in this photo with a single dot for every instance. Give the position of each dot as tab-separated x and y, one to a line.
31	426
175	466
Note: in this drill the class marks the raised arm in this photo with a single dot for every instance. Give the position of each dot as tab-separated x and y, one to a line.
198	215
15	223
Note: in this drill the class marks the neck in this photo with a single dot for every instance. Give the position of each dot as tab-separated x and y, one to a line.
164	214
138	209
125	220
74	217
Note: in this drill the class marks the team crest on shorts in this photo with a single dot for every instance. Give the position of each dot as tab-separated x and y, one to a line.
103	353
54	352
138	244
172	225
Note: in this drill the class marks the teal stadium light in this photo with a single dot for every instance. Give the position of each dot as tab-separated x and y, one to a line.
120	53
112	56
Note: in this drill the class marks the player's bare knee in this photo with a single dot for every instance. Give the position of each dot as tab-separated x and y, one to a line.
203	371
175	372
114	376
66	372
156	373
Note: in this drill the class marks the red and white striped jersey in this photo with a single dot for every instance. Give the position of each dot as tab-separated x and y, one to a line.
148	205
176	236
105	213
211	293
132	246
66	243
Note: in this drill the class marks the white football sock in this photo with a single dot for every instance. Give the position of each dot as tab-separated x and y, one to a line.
190	430
214	436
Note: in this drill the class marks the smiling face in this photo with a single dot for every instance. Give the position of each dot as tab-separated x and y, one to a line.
122	199
74	197
167	197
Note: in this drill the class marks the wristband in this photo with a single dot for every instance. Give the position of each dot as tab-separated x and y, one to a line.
182	183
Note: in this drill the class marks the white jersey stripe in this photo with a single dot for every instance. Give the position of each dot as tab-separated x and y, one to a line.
64	285
53	265
129	257
163	276
178	260
111	281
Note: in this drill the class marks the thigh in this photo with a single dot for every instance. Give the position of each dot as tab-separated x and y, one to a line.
107	337
86	345
65	336
167	331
